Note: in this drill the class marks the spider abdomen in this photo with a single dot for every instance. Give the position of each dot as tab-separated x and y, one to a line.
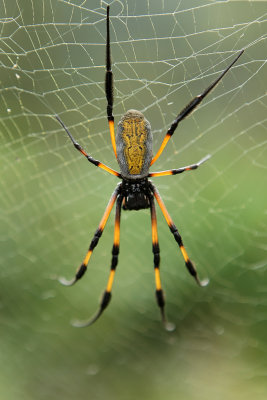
134	145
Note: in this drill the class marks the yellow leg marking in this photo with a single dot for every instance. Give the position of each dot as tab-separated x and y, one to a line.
117	233
157	279
110	170
161	173
154	231
184	253
110	280
87	257
163	208
112	135
163	144
155	240
107	212
83	152
169	221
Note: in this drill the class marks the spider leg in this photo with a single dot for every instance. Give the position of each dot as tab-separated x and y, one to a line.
179	170
81	150
156	252
83	267
190	108
106	297
109	88
189	265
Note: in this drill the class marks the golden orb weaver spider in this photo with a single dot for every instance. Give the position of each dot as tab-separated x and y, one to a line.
132	147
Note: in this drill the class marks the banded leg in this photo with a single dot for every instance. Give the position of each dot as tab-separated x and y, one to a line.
83	267
115	252
81	150
179	170
156	252
109	88
189	265
190	108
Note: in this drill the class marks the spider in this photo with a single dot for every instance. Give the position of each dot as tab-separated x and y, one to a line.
132	147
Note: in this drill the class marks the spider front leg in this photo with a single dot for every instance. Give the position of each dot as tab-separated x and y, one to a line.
189	265
115	252
191	106
109	88
83	267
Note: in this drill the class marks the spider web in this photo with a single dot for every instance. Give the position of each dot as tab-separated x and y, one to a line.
164	53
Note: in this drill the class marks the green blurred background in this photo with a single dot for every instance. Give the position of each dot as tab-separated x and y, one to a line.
52	61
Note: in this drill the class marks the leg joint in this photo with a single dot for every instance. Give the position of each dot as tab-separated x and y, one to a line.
156	260
95	239
176	234
115	250
114	262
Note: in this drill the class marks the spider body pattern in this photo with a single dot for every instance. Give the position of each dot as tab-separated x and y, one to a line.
132	146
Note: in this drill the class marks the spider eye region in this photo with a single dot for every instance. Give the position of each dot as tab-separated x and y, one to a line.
134	145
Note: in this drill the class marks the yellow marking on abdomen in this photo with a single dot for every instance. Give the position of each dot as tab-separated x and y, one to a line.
134	135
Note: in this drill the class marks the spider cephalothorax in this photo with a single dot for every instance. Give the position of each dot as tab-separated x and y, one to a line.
136	194
132	147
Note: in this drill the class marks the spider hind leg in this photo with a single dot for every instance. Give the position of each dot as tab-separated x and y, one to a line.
169	326
189	264
83	267
106	297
